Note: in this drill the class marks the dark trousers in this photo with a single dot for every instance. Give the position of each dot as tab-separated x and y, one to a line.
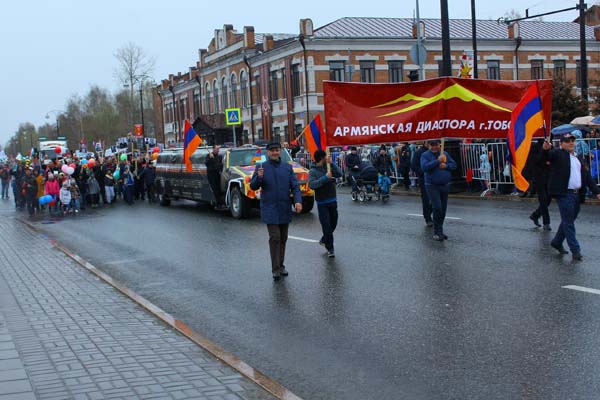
405	179
278	235
438	195
568	206
425	202
353	178
328	216
214	179
30	200
5	185
128	193
150	192
544	200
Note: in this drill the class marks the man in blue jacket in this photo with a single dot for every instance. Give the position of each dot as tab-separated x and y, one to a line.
437	167
276	179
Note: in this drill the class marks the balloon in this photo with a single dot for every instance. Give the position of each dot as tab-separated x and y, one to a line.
154	156
123	157
42	200
84	161
64	168
70	171
91	163
156	150
117	174
84	165
72	166
52	203
57	150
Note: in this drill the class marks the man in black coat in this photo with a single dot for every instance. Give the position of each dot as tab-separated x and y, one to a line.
539	172
353	166
214	166
416	167
569	178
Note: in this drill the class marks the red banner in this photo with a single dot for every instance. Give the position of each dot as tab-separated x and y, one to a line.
138	129
358	113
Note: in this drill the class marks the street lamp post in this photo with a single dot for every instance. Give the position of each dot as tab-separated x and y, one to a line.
58	114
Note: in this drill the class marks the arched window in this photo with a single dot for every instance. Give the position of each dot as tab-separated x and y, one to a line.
216	96
244	88
225	93
207	98
234	101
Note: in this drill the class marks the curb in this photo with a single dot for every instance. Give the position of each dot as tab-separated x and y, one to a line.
254	375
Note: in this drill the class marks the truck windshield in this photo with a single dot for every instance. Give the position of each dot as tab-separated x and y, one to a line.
251	156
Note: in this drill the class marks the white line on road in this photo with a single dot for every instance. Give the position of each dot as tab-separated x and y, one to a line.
125	261
303	239
420	215
582	289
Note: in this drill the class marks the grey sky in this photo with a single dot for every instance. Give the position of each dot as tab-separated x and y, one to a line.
52	49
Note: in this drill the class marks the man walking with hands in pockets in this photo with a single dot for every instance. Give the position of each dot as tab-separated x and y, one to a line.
276	179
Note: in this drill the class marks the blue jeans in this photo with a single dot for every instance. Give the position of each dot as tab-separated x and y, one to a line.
568	206
5	185
328	216
438	195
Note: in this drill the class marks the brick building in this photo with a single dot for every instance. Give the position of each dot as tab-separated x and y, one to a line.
277	79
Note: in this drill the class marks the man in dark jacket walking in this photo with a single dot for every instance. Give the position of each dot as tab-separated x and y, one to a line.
30	188
539	171
323	183
276	179
214	166
436	167
569	177
416	167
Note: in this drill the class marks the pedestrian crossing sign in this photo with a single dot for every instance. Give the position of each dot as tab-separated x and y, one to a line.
232	116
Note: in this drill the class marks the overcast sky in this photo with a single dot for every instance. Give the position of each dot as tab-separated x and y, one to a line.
52	49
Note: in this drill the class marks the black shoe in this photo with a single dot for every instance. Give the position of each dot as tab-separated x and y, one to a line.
444	236
283	271
437	237
429	224
536	220
561	249
276	276
330	254
577	257
547	228
321	243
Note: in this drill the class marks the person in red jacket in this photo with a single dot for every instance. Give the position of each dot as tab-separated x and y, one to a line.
51	188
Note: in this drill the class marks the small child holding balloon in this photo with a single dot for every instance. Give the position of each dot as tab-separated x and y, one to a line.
65	198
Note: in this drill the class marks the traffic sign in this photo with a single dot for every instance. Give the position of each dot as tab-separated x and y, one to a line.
232	116
418	54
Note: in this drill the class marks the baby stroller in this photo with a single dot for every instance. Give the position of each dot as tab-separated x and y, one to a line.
366	185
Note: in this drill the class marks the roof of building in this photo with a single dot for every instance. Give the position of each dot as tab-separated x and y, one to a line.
367	27
260	37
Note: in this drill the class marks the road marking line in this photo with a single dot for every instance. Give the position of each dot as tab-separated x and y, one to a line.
582	289
421	215
303	239
125	261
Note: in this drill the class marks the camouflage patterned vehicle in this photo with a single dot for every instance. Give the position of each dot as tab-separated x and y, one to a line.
174	182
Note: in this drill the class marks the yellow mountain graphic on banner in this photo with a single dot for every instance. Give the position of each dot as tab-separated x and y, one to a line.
452	92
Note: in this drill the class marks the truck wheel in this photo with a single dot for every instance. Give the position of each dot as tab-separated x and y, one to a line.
239	206
307	204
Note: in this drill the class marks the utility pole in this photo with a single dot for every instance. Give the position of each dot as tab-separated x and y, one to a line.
446	62
474	38
583	61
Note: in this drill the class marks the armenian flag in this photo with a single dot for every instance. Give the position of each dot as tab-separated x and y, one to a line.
315	136
526	119
190	144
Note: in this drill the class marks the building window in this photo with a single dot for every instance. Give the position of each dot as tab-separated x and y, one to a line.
274	86
244	89
493	69
258	90
560	69
216	96
295	80
196	105
367	71
225	93
537	69
298	128
182	110
207	98
234	101
395	71
578	73
284	83
336	71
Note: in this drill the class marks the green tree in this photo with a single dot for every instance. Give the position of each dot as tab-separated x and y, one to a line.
565	104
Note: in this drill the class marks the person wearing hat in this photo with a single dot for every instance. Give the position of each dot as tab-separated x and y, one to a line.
277	180
383	164
214	166
436	169
569	177
353	166
30	189
323	183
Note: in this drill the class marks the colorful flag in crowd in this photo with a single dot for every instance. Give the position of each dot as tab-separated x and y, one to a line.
526	119
257	156
315	136
191	143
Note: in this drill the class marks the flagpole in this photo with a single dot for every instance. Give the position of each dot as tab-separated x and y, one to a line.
329	162
537	84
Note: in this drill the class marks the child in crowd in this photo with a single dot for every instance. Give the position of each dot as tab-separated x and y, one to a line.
65	198
75	195
93	191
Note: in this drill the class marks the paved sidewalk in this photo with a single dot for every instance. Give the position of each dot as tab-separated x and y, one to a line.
65	334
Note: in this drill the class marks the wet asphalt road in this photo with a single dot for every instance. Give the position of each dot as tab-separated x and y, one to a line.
394	316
